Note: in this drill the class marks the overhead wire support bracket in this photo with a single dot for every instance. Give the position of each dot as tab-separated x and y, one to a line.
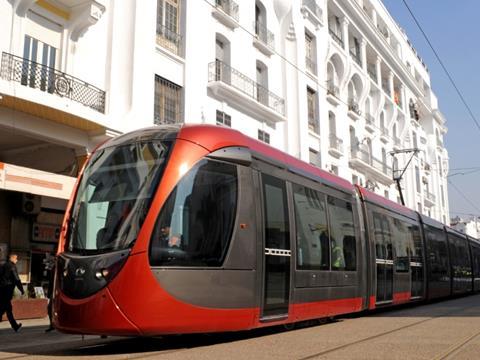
398	178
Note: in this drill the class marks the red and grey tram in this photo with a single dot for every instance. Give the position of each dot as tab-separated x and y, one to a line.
202	229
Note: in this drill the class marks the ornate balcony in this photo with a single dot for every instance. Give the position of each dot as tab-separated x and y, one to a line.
226	11
333	93
49	80
354	109
335	146
369	122
239	90
384	133
169	40
313	12
264	39
363	161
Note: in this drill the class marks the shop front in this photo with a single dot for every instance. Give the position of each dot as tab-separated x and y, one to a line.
32	206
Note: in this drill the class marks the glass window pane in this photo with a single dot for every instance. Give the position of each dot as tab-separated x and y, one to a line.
312	229
196	223
342	234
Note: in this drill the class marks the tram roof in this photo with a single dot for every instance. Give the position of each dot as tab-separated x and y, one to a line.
214	137
379	200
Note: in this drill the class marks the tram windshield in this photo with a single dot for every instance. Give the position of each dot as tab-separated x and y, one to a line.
114	195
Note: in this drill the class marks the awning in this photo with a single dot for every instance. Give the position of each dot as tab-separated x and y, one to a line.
18	178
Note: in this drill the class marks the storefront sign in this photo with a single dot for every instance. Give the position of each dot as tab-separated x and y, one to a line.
32	181
46	233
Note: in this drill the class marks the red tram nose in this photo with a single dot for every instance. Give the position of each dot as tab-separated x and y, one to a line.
97	314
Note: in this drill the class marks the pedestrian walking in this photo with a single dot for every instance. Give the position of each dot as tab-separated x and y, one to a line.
8	281
50	267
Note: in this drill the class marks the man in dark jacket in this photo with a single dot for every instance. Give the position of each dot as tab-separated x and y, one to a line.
8	280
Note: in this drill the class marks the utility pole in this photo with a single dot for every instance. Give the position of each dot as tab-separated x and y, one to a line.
398	178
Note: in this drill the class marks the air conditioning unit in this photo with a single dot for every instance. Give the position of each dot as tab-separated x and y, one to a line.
30	204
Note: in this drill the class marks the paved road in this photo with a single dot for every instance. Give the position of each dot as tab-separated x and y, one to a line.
443	330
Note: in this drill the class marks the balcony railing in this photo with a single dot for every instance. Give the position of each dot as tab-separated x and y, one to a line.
229	7
375	163
219	71
332	89
169	39
356	58
353	106
50	80
336	143
336	37
310	65
264	35
313	7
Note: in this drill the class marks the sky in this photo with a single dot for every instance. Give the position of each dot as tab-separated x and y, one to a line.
453	29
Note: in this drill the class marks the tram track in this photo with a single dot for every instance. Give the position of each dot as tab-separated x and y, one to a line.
448	352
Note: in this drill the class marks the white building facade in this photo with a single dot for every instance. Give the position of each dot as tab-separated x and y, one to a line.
333	82
470	226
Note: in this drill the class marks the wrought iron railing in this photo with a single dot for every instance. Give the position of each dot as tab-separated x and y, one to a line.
264	35
375	163
336	37
229	7
311	65
313	7
219	71
53	81
353	106
332	89
336	143
169	39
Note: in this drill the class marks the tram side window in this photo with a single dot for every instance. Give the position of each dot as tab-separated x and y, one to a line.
401	239
416	245
460	257
438	254
476	260
312	229
342	235
196	222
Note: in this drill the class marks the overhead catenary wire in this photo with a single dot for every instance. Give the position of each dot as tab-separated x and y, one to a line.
464	196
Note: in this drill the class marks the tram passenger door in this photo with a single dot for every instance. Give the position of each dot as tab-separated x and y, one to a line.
384	258
276	284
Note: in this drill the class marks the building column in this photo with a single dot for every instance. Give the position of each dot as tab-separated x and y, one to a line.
390	84
378	71
402	97
363	47
345	23
374	17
